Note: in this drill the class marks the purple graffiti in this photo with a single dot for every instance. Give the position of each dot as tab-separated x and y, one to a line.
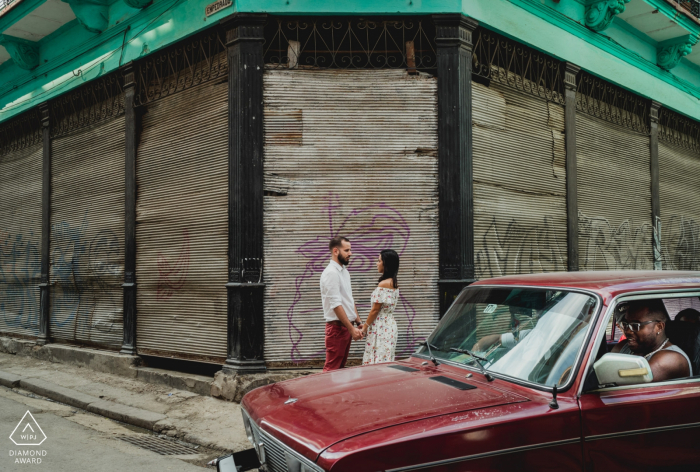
370	229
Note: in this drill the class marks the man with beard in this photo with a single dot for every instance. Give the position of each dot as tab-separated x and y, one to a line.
644	325
339	308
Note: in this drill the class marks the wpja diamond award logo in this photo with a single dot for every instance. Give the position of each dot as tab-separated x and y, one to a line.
28	433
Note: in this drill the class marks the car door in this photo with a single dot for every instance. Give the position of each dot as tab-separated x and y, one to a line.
653	426
648	427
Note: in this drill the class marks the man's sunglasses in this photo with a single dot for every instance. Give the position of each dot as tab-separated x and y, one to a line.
634	326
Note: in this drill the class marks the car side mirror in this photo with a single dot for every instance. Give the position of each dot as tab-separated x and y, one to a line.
615	369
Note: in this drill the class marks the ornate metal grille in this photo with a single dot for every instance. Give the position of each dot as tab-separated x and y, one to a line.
182	66
21	132
611	103
679	130
91	103
693	6
350	43
504	61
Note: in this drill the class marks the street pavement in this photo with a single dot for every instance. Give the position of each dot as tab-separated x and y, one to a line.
77	440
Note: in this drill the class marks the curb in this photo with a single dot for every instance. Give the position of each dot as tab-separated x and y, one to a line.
116	411
9	380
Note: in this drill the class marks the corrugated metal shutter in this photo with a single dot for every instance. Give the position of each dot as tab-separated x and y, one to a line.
614	196
182	225
349	153
87	235
519	183
679	197
20	241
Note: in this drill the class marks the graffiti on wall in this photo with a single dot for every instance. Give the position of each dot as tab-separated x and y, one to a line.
680	243
608	247
86	269
173	274
20	272
370	229
519	249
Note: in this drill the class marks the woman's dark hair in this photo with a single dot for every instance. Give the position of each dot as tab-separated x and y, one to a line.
391	266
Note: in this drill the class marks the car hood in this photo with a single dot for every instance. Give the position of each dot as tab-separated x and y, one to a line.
323	409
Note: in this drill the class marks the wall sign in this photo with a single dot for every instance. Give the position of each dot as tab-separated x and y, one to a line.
217	6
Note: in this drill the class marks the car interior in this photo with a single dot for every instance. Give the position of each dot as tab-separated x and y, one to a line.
683	330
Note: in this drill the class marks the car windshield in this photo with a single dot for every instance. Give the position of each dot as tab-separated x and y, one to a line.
527	333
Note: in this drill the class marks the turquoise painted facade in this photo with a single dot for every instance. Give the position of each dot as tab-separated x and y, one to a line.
625	52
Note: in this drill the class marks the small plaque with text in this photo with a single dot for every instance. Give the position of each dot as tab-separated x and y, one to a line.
217	6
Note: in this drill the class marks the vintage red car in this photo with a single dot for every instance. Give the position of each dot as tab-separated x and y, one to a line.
529	399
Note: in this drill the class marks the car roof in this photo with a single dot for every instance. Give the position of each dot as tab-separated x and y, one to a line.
608	284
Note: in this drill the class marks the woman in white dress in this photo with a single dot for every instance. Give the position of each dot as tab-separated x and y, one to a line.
380	329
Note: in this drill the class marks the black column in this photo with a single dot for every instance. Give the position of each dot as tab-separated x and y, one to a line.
44	286
655	203
570	73
246	331
456	193
129	285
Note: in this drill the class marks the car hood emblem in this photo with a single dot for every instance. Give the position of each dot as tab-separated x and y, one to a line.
291	400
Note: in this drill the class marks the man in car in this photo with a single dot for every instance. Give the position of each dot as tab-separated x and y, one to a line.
644	325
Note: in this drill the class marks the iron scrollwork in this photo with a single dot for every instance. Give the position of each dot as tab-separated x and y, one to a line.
350	43
181	67
611	103
20	132
679	130
502	60
94	102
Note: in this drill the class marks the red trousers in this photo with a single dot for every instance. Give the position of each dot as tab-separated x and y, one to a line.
338	341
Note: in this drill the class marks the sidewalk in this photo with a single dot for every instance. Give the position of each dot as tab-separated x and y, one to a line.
185	415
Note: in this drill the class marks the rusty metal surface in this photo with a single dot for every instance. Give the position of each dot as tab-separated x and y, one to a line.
181	224
614	195
679	178
520	218
367	169
87	234
20	240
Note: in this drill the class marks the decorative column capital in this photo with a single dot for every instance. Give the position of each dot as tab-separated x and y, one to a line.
24	53
600	13
44	114
129	77
670	52
93	15
654	111
570	73
244	27
454	30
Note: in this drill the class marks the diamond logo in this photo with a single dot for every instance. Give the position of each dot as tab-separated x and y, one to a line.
28	432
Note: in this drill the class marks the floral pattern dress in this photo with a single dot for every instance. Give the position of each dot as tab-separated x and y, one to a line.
382	335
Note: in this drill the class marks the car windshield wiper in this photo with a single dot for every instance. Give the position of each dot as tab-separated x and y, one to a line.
432	358
478	360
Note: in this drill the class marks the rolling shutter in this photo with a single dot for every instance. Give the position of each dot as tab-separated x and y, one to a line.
614	196
350	153
87	235
679	196
182	225
520	216
20	241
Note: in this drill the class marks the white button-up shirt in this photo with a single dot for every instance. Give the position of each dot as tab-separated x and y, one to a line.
337	291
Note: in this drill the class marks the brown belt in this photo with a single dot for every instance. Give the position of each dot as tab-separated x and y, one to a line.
334	323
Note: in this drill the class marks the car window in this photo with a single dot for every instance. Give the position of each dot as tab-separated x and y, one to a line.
683	330
677	305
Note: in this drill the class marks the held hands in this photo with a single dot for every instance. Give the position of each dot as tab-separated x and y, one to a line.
356	334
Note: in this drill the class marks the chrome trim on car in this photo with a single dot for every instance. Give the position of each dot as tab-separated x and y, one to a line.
639	295
486	454
642	431
278	447
525	383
